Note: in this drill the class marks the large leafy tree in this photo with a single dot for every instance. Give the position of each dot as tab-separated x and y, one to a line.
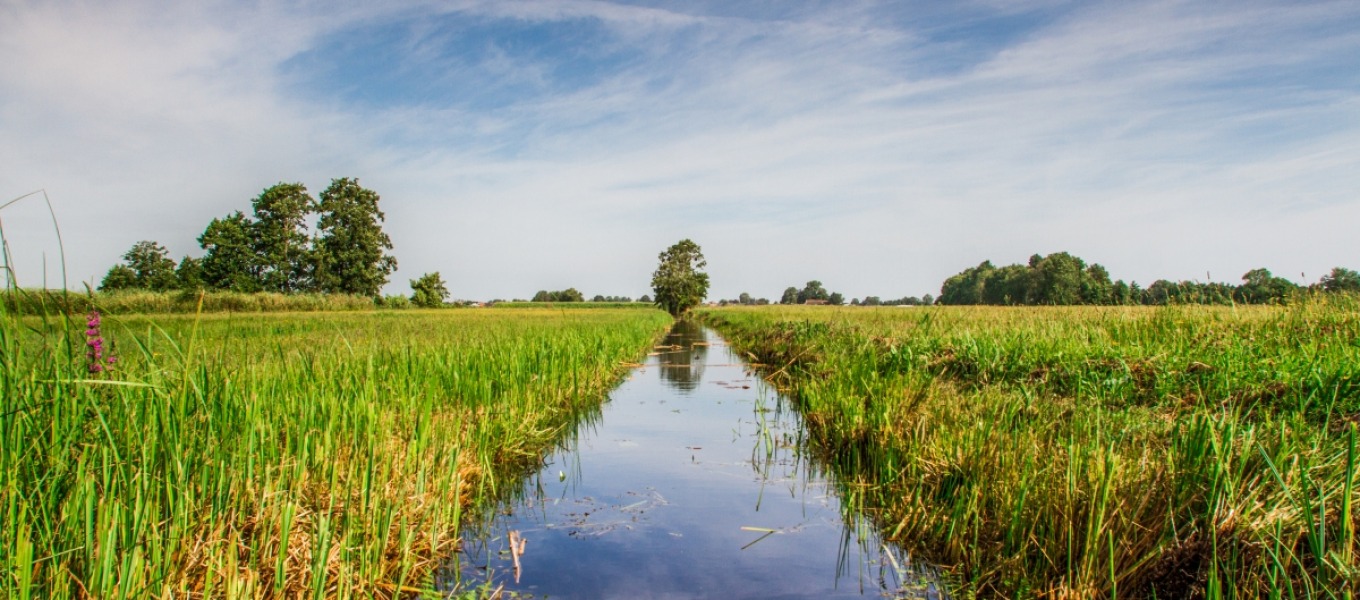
350	253
229	261
279	236
147	265
790	296
678	282
430	291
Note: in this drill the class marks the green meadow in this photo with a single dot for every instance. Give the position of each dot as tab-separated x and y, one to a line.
1036	452
299	455
1089	452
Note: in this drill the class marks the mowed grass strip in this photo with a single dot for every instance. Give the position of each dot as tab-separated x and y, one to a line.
321	455
1090	452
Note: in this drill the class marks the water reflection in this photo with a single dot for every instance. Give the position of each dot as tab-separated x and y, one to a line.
700	486
683	354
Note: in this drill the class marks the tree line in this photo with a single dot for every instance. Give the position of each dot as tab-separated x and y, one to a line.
574	295
815	293
1063	279
272	250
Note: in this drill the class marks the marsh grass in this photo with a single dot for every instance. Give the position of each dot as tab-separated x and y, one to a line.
1203	452
126	302
319	455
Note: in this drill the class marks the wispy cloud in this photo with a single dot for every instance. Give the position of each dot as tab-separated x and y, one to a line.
878	147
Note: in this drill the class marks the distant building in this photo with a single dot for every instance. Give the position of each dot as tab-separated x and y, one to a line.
816	302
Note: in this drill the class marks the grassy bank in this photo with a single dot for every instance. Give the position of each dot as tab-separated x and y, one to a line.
278	455
1091	452
126	302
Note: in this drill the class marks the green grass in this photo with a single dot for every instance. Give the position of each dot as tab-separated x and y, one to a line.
1090	452
48	302
302	455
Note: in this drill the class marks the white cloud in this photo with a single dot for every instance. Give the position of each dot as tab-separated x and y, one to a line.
1161	139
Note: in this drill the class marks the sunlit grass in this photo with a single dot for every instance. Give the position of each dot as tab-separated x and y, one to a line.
316	455
1091	452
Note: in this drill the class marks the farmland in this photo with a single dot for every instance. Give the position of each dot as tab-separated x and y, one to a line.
279	455
1089	452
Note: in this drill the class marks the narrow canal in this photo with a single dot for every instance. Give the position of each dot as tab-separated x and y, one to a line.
693	482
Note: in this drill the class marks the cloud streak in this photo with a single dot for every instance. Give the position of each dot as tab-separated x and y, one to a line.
540	145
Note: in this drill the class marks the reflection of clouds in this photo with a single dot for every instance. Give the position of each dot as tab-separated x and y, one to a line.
682	366
671	506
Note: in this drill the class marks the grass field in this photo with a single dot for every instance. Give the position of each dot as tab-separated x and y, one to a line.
1053	452
317	455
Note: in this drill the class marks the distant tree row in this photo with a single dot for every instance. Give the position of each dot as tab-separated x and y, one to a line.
925	300
573	295
1064	279
567	295
812	293
745	299
273	251
815	293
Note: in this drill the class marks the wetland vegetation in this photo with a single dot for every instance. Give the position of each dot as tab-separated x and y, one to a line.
281	455
1176	451
1076	452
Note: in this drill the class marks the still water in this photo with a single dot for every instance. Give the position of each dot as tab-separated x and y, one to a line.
693	482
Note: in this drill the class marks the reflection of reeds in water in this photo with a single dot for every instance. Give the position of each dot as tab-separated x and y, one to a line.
781	455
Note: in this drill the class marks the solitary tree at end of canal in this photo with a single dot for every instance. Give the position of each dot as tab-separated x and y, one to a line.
678	282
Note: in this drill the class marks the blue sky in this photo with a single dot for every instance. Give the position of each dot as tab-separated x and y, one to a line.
878	147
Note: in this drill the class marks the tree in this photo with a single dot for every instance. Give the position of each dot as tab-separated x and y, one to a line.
836	299
745	299
150	266
813	291
967	286
790	296
279	236
189	275
349	255
645	299
1341	280
1259	286
678	282
229	260
1059	279
429	291
567	295
119	277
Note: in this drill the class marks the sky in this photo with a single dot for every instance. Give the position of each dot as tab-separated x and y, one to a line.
517	146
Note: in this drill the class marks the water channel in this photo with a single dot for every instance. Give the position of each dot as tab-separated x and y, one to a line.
693	482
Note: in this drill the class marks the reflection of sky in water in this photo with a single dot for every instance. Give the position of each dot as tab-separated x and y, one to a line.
669	492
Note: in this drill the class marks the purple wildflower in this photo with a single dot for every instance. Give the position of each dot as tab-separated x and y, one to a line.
94	344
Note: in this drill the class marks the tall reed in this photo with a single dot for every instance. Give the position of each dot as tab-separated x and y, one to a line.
1091	452
324	455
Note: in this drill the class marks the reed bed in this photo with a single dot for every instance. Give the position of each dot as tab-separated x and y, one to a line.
322	455
124	302
1170	452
